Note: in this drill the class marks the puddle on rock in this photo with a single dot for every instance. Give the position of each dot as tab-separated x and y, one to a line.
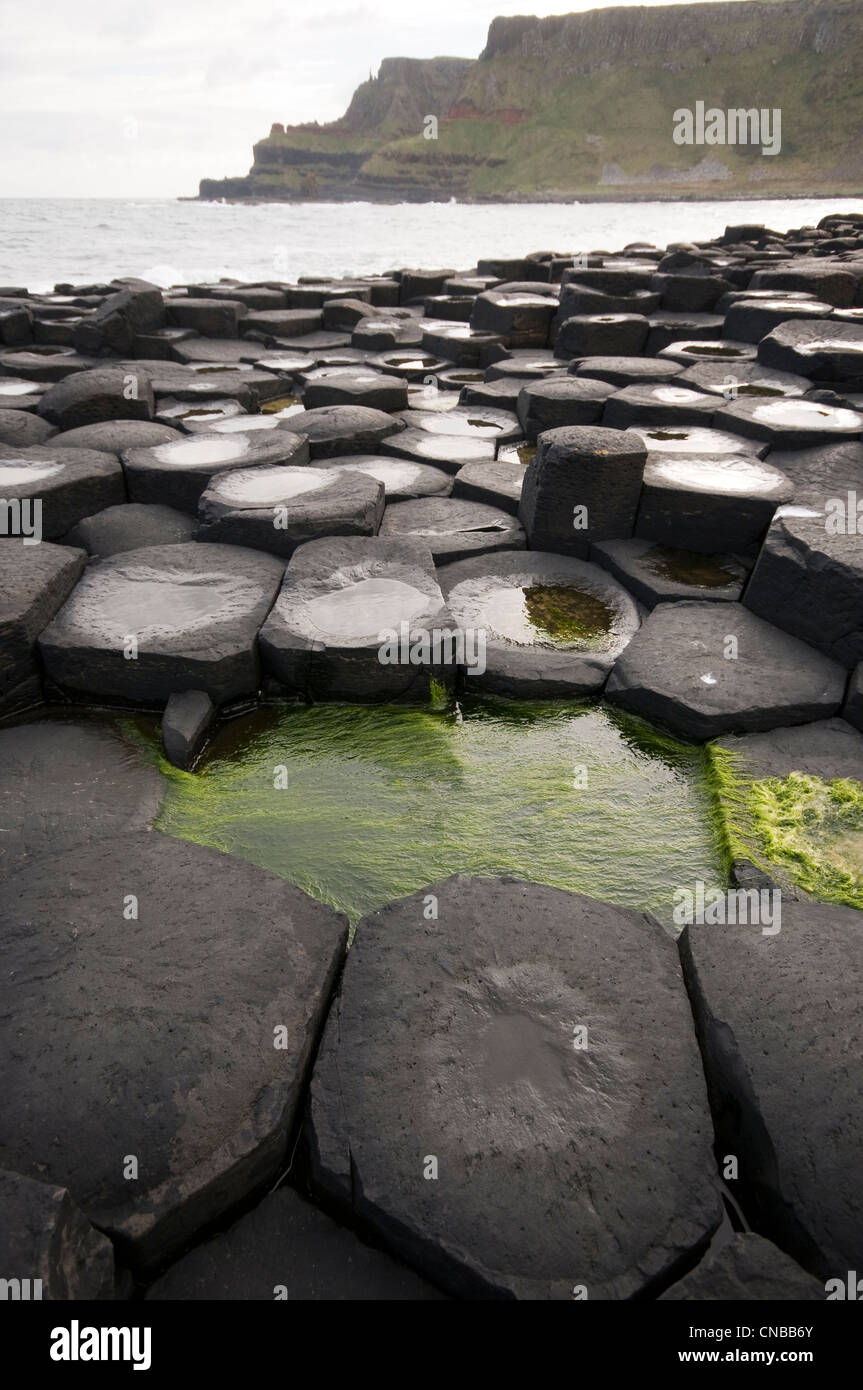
551	615
688	567
383	800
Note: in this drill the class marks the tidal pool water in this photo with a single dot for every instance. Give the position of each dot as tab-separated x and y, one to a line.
359	805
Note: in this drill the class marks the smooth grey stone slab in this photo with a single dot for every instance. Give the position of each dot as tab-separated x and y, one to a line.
163	1011
189	613
784	1078
675	672
64	783
453	1040
35	581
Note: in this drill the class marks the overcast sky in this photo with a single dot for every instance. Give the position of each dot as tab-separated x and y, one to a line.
125	98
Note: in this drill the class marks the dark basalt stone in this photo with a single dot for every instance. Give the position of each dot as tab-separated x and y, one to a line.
497	483
501	394
106	393
335	387
44	364
195	1086
661	404
782	1082
20	395
749	320
115	436
821	349
658	574
745	1268
35	581
836	284
21	429
278	508
130	526
452	1041
65	784
708	504
48	1239
212	318
560	402
459	343
68	484
453	528
676	673
333	430
666	328
196	416
601	335
790	423
467	422
553	625
449	452
521	319
193	611
626	371
288	1248
742	379
533	365
402	479
189	715
581	487
852	710
324	637
809	579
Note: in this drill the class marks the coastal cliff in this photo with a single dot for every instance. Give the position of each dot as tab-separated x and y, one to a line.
583	105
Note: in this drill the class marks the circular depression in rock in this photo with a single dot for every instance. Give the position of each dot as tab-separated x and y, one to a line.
14	474
194	451
743	475
266	487
366	608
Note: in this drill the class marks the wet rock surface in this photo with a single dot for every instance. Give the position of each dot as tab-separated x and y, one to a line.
681	672
782	1079
35	581
63	784
193	1087
342	608
552	625
453	527
452	1040
188	615
278	508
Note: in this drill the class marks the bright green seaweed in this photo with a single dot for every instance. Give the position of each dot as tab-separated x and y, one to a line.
799	828
380	801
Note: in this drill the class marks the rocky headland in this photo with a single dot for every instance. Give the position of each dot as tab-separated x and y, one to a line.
583	106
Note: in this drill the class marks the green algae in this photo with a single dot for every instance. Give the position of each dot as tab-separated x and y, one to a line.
280	403
800	829
359	805
568	615
688	567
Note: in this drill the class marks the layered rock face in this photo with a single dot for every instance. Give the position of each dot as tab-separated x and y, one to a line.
584	104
